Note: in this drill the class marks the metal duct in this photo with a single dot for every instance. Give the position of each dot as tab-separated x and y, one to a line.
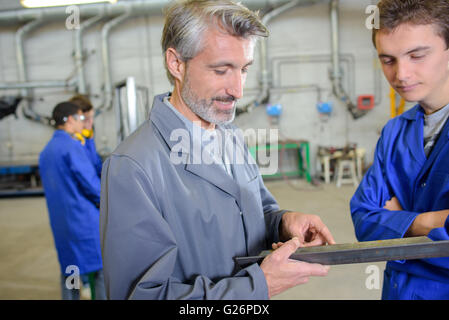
26	93
95	12
85	11
265	73
336	74
277	62
79	56
107	98
37	84
140	7
123	10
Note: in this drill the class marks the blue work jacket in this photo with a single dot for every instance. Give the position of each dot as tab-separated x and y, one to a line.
72	191
93	155
421	184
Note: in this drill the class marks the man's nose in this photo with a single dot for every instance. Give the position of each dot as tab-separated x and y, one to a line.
235	87
402	71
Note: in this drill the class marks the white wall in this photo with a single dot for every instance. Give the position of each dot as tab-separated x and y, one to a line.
135	51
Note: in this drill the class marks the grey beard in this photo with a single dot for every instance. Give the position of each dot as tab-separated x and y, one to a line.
205	109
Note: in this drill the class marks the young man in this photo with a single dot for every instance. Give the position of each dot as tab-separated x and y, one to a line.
88	130
72	191
406	191
170	229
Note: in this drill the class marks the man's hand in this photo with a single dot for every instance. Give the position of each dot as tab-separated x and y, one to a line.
425	222
393	205
282	273
309	229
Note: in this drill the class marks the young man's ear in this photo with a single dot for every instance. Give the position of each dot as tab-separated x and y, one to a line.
69	119
176	66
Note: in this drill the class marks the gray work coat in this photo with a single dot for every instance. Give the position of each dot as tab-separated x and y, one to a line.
170	231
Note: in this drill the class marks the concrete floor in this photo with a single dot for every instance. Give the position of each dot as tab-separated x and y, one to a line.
29	267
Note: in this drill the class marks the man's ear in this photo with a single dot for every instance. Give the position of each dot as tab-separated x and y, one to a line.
69	119
176	66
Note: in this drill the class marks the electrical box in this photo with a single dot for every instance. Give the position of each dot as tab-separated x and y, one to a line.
365	102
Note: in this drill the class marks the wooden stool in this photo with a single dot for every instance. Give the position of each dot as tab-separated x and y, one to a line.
346	177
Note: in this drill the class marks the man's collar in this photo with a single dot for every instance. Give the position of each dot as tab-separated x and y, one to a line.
174	127
186	121
414	113
75	136
166	121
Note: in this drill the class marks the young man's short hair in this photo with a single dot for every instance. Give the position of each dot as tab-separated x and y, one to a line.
393	13
83	101
62	111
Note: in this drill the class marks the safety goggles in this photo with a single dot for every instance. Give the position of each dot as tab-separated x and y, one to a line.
76	116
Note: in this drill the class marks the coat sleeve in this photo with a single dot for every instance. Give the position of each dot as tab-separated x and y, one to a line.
446	226
139	248
84	173
96	159
272	213
371	221
439	234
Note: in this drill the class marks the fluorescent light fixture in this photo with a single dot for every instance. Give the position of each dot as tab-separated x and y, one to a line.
55	3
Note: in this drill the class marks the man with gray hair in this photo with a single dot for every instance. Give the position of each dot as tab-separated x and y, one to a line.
171	226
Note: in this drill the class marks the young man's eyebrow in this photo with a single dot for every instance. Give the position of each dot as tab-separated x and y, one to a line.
421	48
417	49
383	55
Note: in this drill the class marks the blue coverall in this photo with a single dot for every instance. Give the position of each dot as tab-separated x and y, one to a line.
402	170
72	190
93	155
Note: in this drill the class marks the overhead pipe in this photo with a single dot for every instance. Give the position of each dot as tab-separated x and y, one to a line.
125	9
38	84
79	55
265	74
298	89
277	62
335	46
12	17
85	11
107	97
336	73
94	13
20	55
26	92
